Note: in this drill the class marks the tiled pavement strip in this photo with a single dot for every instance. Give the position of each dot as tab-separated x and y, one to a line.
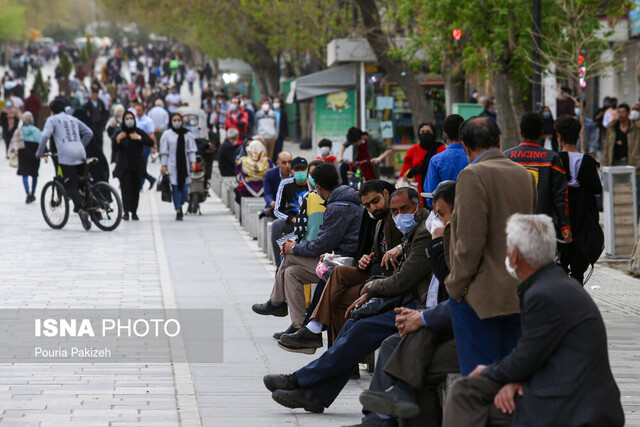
211	263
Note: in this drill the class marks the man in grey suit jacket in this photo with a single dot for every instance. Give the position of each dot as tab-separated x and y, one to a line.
559	373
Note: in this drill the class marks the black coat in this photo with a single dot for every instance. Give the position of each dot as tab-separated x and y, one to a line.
561	357
226	162
129	156
583	208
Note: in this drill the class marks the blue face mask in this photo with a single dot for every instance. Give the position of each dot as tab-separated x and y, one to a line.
300	176
405	222
311	181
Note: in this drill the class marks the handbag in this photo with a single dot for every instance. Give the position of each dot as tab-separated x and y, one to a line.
164	186
13	160
378	305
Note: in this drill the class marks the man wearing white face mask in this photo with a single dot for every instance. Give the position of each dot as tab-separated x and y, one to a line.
559	373
267	126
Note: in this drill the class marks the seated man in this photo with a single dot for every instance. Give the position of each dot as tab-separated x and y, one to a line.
272	180
559	373
338	233
316	385
343	286
226	162
415	360
290	192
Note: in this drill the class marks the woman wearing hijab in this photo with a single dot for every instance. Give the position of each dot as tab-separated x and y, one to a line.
28	163
251	169
178	158
127	142
416	161
9	119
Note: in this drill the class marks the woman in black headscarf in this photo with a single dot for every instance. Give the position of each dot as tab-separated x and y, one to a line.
178	158
127	142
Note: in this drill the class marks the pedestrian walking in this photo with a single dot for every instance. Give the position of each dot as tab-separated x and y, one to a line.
582	187
178	158
28	164
127	142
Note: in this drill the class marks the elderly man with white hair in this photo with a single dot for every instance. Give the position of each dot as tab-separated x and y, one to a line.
559	373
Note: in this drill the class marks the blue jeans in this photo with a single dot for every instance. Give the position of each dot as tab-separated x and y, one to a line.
146	151
482	341
328	374
179	196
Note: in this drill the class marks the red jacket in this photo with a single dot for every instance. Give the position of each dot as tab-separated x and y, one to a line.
415	157
240	122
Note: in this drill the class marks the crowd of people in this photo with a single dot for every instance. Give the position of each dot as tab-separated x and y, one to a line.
470	271
471	274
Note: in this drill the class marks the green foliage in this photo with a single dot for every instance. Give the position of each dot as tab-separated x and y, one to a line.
66	66
40	88
13	24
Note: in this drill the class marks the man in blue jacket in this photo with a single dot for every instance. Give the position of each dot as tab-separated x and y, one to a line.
273	177
338	233
447	165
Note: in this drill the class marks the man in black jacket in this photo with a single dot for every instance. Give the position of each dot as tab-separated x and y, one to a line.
547	168
226	163
98	115
316	385
414	361
559	373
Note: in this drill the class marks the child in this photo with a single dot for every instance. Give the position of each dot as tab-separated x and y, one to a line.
325	151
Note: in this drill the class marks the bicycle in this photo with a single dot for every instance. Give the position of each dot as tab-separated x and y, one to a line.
99	199
353	173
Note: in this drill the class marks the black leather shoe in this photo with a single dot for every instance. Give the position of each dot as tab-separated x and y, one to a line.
372	420
294	349
280	382
268	309
135	217
299	398
125	216
290	330
303	338
393	401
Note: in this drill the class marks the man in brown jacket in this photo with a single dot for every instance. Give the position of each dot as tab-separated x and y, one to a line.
622	144
484	308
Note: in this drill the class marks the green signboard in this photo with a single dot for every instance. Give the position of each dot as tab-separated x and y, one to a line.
335	114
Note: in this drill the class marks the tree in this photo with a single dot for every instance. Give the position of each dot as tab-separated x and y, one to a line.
66	66
13	24
573	43
398	68
40	88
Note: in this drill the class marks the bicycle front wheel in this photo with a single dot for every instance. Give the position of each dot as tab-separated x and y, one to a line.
54	204
106	210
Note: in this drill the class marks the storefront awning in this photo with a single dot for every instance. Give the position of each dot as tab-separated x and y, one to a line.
323	82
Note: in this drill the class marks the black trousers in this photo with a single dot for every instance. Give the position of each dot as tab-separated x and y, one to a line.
130	189
70	174
573	261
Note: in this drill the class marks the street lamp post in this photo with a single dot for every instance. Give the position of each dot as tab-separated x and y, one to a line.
536	87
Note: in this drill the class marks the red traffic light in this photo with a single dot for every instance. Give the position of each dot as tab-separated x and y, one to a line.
457	34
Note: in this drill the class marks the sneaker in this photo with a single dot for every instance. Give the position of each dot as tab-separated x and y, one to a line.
28	199
126	216
302	338
135	217
290	330
394	401
268	309
281	382
151	183
84	218
299	398
179	216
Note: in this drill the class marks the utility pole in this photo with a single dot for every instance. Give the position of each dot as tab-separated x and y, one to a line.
536	87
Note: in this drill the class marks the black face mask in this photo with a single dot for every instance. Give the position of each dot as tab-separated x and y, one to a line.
426	139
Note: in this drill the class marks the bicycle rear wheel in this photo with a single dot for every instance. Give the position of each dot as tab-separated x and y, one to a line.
54	204
106	207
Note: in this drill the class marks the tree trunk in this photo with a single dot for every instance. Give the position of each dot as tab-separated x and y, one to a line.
510	136
454	81
518	104
399	70
265	66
